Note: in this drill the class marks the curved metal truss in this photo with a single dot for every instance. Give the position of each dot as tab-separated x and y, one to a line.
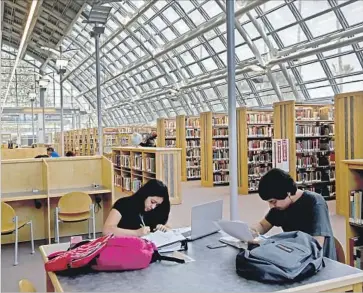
165	58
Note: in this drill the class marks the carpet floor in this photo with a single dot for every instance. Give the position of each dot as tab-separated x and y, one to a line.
251	209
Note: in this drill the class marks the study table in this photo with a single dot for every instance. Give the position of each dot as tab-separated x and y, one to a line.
23	195
212	271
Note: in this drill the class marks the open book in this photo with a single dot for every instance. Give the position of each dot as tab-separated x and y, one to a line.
161	239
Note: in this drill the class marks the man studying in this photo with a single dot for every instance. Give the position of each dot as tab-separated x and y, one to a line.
294	209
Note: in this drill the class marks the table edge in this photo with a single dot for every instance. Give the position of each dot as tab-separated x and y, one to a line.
52	276
328	284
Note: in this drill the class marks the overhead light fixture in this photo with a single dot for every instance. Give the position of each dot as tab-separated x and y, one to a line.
43	82
98	14
20	49
61	63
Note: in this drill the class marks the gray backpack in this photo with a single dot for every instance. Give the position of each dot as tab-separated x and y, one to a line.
288	256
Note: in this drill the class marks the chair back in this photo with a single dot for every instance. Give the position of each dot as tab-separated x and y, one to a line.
74	203
340	251
7	215
26	286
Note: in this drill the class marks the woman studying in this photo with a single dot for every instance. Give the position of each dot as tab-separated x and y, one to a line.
146	210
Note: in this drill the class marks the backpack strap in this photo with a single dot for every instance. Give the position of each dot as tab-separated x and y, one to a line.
158	257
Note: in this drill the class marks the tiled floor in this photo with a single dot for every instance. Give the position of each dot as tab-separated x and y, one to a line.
251	209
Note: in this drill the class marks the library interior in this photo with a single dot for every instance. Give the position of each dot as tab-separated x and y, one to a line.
181	145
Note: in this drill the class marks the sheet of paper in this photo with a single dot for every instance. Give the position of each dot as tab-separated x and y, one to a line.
236	229
233	242
161	239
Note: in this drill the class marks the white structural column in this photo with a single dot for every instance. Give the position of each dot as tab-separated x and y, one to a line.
232	126
41	117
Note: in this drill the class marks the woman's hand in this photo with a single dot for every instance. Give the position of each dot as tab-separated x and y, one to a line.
143	231
161	228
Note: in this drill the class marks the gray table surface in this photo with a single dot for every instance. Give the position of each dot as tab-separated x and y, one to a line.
83	189
22	193
212	271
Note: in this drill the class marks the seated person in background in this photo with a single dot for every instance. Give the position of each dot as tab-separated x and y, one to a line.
41	156
146	210
293	209
150	141
70	154
52	153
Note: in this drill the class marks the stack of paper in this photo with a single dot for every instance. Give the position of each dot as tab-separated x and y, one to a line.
161	239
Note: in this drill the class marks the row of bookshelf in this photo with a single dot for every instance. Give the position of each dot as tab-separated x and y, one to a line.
193	174
315	176
192	122
220	120
259	131
310	130
259	144
220	154
259	118
192	133
313	113
220	132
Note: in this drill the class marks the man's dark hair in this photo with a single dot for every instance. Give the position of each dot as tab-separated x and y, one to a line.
276	184
69	154
50	149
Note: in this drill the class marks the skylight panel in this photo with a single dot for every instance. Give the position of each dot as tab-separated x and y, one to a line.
323	24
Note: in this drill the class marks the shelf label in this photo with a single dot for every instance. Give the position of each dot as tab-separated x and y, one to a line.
280	154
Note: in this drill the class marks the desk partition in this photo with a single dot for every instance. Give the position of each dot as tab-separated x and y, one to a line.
46	180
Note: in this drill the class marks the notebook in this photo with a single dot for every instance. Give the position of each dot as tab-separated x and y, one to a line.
161	239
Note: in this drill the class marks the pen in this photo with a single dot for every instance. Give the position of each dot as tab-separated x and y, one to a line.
142	221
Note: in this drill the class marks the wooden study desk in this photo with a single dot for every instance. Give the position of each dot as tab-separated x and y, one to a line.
87	189
23	195
212	271
54	177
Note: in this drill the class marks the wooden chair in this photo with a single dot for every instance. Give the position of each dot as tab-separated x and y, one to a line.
10	224
340	251
26	286
75	207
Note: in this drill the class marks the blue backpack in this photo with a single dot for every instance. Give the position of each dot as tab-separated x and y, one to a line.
288	256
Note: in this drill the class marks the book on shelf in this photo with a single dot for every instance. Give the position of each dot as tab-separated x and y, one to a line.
136	184
192	122
355	207
259	131
356	254
192	133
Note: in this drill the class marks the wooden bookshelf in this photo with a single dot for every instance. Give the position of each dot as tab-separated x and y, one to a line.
348	138
215	159
188	139
310	130
350	193
134	166
254	141
166	131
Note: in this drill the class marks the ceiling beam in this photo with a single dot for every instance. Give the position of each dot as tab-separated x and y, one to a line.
45	63
37	12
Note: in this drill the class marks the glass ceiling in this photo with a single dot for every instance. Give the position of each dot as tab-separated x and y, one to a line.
144	76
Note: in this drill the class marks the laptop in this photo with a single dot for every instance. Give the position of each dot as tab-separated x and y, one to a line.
204	217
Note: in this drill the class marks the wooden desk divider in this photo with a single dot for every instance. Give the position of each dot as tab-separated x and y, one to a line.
22	153
134	166
348	139
19	179
53	178
214	149
188	139
81	174
254	141
166	131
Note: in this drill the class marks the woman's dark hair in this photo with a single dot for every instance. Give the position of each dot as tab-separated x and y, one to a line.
69	154
276	184
160	214
50	149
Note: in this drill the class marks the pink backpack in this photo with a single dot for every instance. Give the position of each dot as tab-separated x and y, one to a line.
107	253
